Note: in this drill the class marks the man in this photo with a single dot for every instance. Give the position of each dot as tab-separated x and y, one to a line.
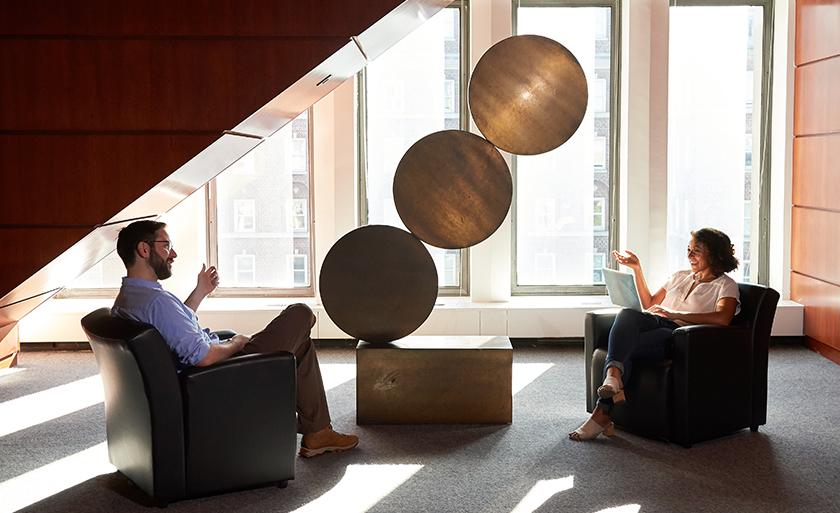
146	250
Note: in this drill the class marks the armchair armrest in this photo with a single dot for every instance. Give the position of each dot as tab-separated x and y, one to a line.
596	332
239	416
712	380
596	328
224	334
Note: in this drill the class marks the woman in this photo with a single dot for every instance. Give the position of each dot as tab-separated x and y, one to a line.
702	295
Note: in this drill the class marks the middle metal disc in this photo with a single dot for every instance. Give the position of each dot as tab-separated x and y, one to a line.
452	189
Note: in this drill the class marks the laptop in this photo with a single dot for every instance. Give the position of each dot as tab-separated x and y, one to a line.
622	289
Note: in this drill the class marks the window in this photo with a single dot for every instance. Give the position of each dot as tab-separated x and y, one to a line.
546	263
714	124
412	90
545	215
599	215
600	152
579	174
300	214
244	269
449	96
299	266
259	216
244	215
598	95
185	227
599	261
450	267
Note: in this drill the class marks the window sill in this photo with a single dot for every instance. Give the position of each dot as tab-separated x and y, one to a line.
524	317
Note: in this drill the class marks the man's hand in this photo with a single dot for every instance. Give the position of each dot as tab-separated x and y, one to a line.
208	280
223	351
239	341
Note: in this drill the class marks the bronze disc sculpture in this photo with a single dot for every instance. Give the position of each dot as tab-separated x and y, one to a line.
378	283
452	189
528	94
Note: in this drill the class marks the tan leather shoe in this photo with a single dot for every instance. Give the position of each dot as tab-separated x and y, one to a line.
326	440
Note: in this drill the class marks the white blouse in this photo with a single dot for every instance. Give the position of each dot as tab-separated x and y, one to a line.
703	298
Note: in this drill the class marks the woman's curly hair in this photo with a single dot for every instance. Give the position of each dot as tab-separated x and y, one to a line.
721	251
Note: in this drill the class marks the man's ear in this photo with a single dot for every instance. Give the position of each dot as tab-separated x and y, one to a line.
143	250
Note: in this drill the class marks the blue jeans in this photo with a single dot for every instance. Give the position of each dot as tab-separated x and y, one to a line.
635	335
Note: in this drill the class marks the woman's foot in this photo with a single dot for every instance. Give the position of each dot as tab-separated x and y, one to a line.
612	389
591	429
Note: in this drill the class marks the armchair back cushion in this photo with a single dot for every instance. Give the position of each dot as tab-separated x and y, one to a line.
141	401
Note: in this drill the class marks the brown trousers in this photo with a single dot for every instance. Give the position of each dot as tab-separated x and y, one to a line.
290	332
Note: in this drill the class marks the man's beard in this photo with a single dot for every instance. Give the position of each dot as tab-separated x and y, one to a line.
160	266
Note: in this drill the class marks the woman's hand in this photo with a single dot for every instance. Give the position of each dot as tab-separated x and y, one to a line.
208	280
627	258
664	311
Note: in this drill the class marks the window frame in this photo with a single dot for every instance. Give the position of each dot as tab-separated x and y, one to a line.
213	239
614	105
463	289
762	234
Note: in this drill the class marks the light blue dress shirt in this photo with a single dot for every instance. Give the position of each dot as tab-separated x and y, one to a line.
146	301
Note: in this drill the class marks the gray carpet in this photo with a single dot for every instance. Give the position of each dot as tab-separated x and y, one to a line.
791	464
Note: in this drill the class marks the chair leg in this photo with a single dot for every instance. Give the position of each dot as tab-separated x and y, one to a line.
282	484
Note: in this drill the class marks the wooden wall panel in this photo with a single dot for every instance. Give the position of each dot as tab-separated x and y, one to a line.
155	18
822	314
816	109
815	223
816	171
817	29
132	85
72	177
102	99
814	238
30	249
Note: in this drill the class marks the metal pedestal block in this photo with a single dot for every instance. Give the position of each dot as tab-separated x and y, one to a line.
435	380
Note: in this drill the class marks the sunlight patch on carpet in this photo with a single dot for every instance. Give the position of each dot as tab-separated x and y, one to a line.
35	485
541	492
361	488
627	508
8	371
526	373
335	374
33	409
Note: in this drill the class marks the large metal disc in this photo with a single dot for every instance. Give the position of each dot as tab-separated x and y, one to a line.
378	283
528	94
452	189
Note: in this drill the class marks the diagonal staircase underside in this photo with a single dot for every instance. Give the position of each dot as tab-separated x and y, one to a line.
112	111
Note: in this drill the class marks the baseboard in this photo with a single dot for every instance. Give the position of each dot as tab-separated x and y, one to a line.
787	341
819	347
823	349
54	346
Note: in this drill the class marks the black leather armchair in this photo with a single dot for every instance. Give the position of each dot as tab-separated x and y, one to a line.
206	430
712	382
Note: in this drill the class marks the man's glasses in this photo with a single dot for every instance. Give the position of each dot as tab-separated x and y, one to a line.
167	244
